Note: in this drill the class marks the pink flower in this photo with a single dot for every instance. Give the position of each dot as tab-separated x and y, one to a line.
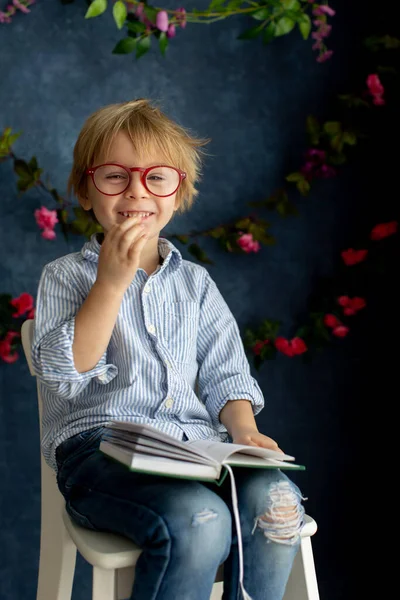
290	347
324	9
340	331
171	31
162	20
351	305
247	243
352	257
5	347
374	84
324	56
46	219
22	304
316	155
325	171
383	230
331	320
21	7
180	15
49	234
259	345
376	89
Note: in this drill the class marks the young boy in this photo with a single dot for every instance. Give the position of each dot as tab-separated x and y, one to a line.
127	330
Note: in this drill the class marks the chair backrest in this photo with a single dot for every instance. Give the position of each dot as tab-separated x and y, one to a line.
51	498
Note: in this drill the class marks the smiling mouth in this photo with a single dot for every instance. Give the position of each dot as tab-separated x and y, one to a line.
134	213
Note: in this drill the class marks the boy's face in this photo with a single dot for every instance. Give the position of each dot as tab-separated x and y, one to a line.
108	209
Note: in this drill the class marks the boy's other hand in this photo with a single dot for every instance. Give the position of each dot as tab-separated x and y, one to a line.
120	254
252	437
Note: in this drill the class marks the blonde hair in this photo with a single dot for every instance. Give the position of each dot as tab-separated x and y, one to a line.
147	127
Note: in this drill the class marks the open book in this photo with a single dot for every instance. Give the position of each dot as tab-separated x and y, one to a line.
146	449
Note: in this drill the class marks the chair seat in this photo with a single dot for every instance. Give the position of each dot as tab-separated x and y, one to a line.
111	551
104	550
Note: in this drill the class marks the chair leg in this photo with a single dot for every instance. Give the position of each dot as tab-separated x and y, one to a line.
302	584
56	564
104	584
217	591
125	579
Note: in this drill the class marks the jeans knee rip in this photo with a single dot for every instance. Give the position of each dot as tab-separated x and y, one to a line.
203	517
283	519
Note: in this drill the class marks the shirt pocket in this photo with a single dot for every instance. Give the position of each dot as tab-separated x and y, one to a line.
181	321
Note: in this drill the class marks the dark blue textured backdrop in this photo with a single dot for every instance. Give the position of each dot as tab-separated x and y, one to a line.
56	68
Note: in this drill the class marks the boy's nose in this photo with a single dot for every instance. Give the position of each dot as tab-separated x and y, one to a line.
136	188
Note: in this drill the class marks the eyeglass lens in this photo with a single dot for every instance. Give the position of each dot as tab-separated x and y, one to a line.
113	179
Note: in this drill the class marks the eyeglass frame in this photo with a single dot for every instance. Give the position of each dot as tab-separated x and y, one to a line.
92	170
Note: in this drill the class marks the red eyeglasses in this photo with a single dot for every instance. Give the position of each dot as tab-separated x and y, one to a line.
112	179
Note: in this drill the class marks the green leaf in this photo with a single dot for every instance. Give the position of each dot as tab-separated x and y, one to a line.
305	26
215	4
22	169
96	8
199	253
234	4
243	223
151	13
296	176
182	238
119	13
349	138
303	187
283	26
336	143
125	46
261	14
251	33
163	42
269	33
332	127
143	46
136	26
313	130
291	4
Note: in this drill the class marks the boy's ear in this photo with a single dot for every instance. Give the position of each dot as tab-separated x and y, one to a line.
85	202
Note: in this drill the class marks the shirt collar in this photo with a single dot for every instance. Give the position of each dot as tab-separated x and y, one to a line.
168	252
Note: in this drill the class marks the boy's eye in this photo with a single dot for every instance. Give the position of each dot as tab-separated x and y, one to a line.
116	176
155	178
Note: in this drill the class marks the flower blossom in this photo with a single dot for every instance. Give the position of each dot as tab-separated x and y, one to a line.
180	16
247	243
338	329
351	305
259	345
162	20
6	353
22	304
376	89
46	219
383	230
290	347
352	257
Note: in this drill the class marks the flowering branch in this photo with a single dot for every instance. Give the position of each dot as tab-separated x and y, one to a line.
21	5
275	18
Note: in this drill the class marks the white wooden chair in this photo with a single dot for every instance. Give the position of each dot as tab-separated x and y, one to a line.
113	557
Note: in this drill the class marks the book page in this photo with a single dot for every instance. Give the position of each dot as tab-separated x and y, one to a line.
221	451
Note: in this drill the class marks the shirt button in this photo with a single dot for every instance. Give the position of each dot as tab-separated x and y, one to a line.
147	289
151	329
168	364
169	402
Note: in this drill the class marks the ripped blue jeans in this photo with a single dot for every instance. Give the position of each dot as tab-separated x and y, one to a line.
186	528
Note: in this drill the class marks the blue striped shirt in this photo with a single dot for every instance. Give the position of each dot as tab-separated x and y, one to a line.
174	359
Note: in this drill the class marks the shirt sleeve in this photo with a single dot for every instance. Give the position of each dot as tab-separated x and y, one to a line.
58	301
224	371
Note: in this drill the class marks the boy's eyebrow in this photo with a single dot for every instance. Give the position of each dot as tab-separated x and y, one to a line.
153	163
